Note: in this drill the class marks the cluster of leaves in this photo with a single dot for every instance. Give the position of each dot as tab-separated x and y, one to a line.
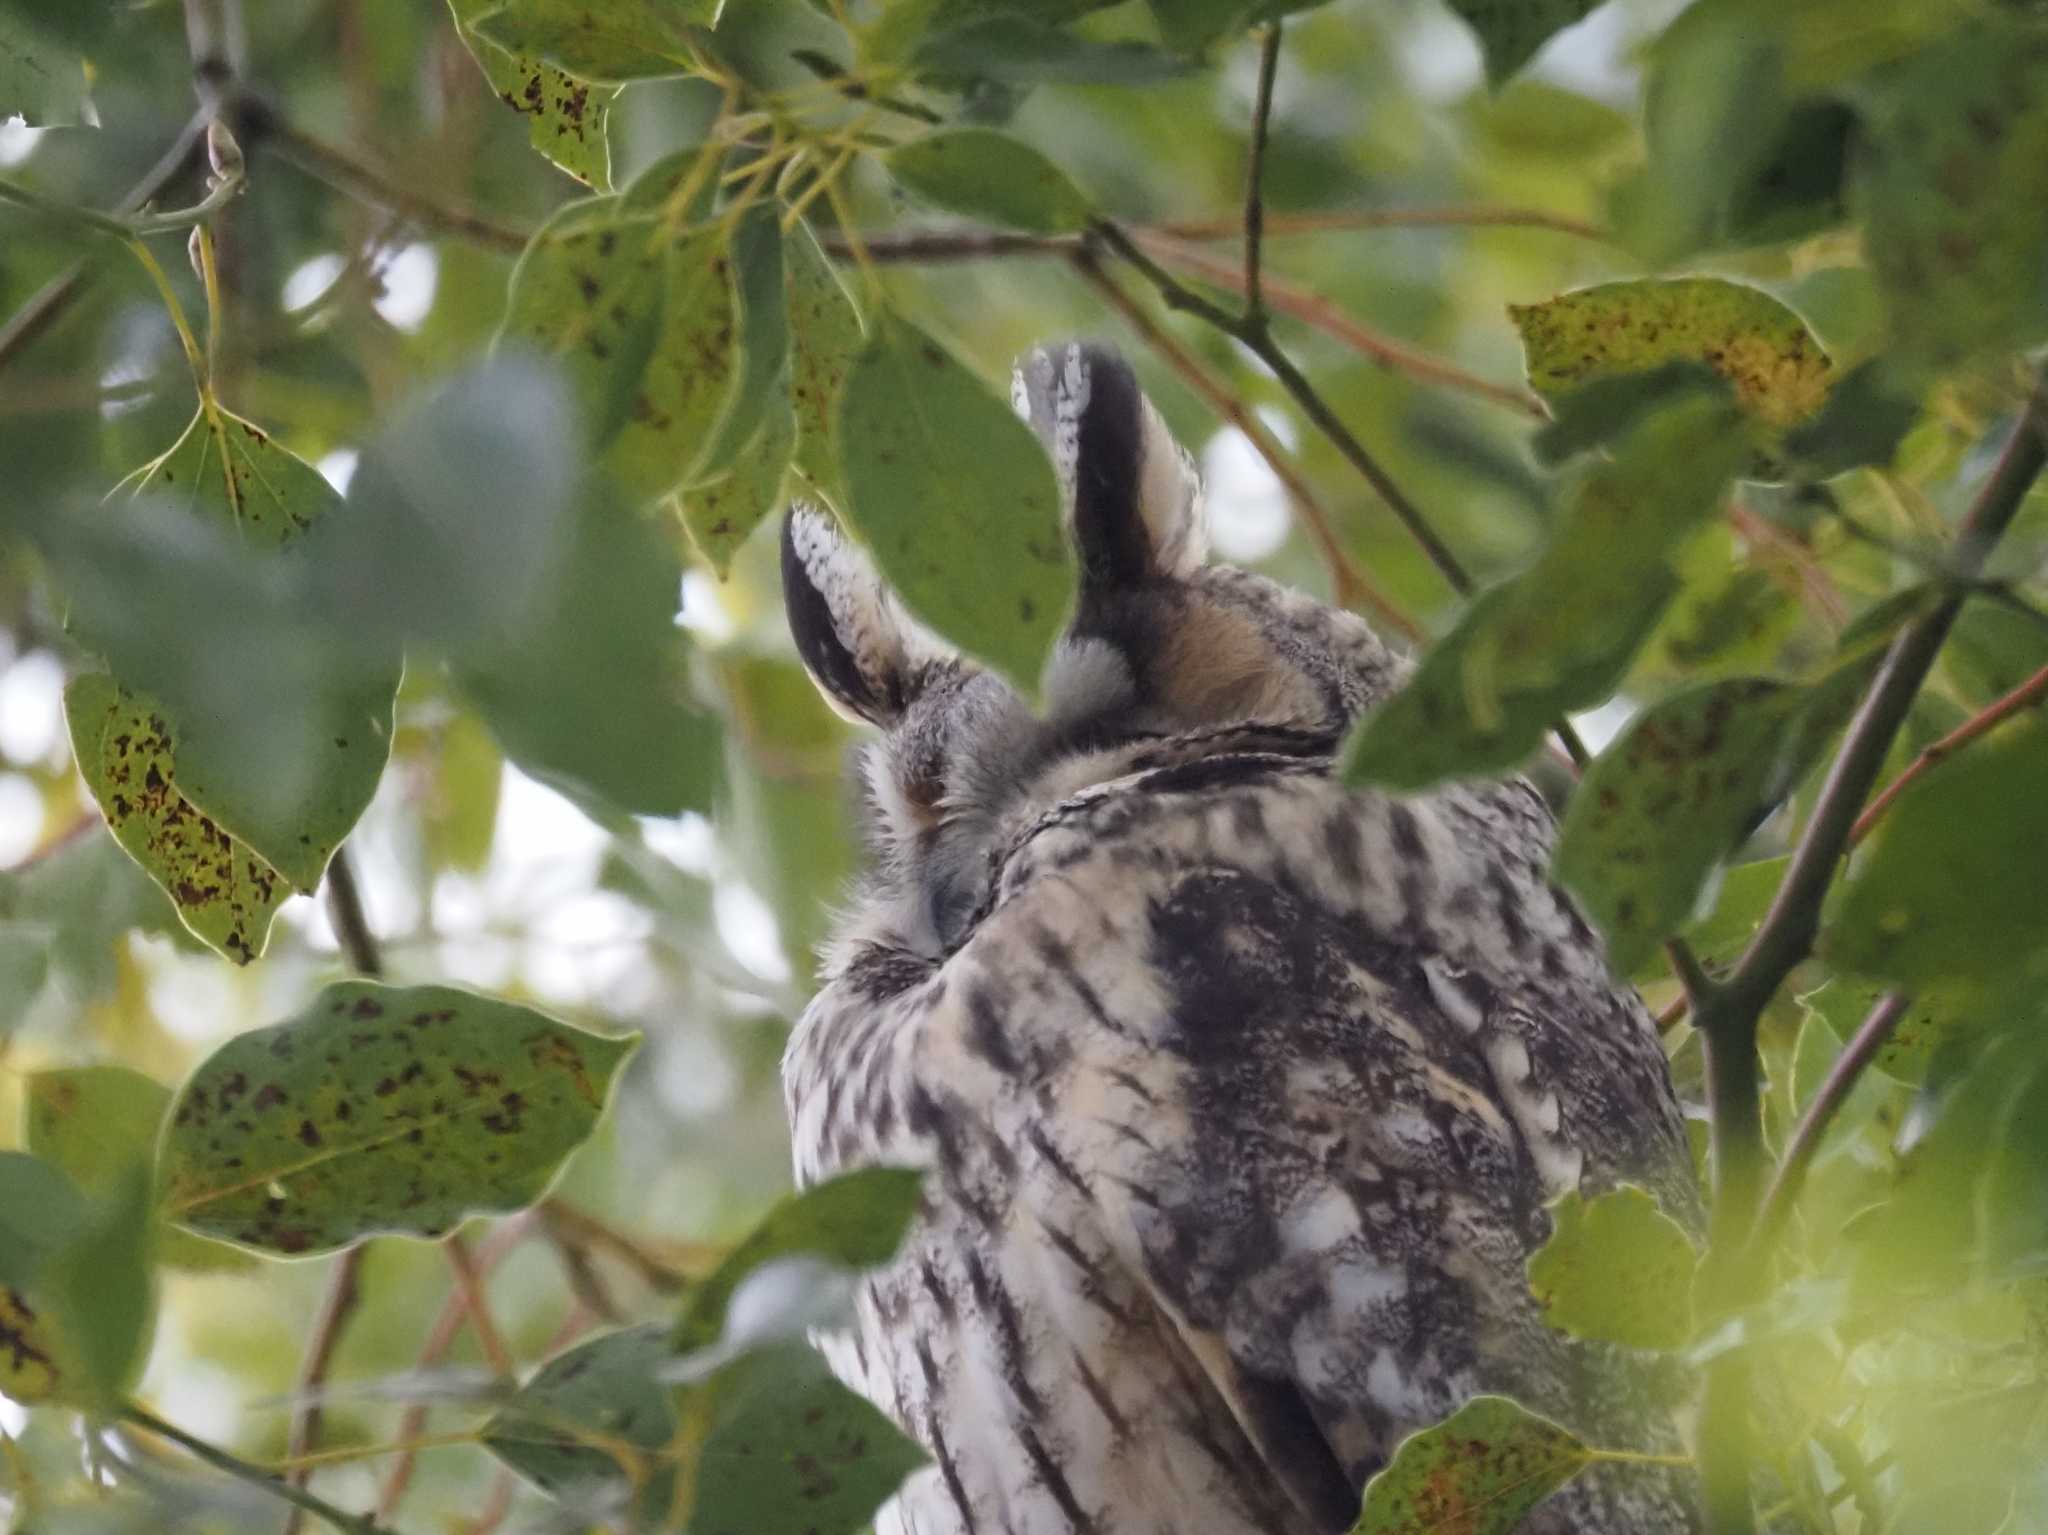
1744	492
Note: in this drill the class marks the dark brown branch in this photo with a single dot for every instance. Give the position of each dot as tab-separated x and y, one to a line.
1254	175
1727	1012
345	911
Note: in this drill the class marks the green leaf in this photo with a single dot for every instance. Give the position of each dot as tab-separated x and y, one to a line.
992	177
691	376
1479	1472
590	293
1616	1269
1742	897
380	1109
74	1283
292	809
956	500
126	750
63	915
41	81
1681	790
566	117
721	513
757	263
1022	50
1950	889
1558	637
587	1413
792	1449
98	1123
825	337
1190	26
617	41
592	694
1952	173
1778	370
856	1220
1510	31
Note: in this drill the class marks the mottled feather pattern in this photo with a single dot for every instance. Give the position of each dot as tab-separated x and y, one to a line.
1242	1093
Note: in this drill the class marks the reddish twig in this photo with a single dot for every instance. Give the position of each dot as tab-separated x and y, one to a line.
1338	221
344	1294
1312	309
2028	695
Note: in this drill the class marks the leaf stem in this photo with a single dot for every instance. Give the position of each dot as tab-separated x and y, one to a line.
302	1502
2027	695
193	356
126	226
1727	1012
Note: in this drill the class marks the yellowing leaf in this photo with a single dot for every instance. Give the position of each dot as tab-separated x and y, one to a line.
566	117
1777	369
1479	1472
1616	1269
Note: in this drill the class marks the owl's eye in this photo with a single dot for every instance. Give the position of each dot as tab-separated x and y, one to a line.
950	901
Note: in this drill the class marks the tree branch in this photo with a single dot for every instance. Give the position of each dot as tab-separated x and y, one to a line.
1727	1012
1338	221
302	1502
1254	176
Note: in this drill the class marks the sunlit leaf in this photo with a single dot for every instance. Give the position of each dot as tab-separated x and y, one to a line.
1558	637
1777	369
1949	891
1479	1472
98	1124
617	41
127	751
566	117
993	177
461	808
380	1109
1616	1269
956	500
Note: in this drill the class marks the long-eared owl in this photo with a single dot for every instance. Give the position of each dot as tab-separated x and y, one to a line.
1241	1093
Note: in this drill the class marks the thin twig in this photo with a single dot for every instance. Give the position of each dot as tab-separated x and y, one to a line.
1314	310
1254	175
1727	1012
357	177
469	1284
462	1302
344	1284
55	296
1337	221
302	1502
2028	695
658	1270
1350	584
1856	1056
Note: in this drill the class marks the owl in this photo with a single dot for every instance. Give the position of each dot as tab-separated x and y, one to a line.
1240	1093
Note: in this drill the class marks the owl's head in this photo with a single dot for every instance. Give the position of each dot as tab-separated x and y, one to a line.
1162	652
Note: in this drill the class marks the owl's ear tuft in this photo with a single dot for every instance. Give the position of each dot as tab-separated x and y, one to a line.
864	652
1133	497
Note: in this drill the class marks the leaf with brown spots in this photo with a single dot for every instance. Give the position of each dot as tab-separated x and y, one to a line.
126	750
1778	370
1559	636
1616	1269
825	337
380	1109
1479	1472
1682	789
956	499
720	514
692	375
615	41
565	117
227	470
1951	179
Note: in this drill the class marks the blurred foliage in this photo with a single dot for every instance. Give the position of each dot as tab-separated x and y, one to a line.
416	510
